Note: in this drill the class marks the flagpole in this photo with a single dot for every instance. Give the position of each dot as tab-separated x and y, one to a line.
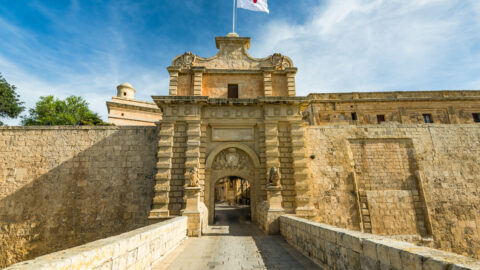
234	9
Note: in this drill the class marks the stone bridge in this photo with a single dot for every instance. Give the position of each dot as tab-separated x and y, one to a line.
233	242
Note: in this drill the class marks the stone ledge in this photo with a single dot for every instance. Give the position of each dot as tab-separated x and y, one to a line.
325	244
137	249
26	128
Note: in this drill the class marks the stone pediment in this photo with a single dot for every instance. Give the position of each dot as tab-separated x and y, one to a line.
232	55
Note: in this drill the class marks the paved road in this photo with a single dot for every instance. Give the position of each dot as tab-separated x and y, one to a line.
234	243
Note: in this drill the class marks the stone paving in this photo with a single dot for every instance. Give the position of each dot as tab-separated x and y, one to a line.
235	243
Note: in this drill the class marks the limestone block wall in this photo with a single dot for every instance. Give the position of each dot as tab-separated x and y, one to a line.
335	248
137	249
64	186
400	180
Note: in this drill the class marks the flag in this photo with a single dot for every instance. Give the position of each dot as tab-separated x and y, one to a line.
255	5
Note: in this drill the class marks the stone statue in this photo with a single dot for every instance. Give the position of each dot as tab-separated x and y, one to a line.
274	177
193	175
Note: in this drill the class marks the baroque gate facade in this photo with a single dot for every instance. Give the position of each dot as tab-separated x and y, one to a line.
231	115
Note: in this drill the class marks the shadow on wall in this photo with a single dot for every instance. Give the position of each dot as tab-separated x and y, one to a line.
62	187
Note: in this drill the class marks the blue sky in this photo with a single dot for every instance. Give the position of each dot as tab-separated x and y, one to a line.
88	47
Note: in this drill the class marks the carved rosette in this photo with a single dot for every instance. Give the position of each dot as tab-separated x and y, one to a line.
232	159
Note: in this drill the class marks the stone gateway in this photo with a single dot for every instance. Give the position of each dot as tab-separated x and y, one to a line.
372	167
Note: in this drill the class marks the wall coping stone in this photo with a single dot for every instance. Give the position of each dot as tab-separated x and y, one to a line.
74	127
107	251
424	256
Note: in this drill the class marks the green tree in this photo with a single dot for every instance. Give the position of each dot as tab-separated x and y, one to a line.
10	105
51	111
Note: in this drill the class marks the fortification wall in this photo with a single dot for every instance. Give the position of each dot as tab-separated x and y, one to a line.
412	181
64	186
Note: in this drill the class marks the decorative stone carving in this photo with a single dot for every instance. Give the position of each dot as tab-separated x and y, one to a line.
193	177
231	158
232	54
185	60
279	61
274	177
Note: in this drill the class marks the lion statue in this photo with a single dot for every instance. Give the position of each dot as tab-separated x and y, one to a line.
274	177
193	175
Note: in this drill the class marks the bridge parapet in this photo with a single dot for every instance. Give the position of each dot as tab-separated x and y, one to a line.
137	249
335	248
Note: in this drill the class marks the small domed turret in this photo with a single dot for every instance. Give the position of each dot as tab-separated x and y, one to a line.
126	90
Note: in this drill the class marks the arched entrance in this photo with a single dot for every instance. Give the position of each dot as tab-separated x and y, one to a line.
232	199
231	160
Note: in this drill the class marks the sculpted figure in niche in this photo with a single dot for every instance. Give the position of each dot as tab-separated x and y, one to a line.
193	175
274	177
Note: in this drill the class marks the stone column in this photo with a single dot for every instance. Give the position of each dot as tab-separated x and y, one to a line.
192	155
275	209
197	80
267	82
193	211
300	171
164	166
192	194
173	82
291	81
271	145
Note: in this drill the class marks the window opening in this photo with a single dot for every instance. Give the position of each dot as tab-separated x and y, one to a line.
476	117
354	116
380	118
427	118
233	91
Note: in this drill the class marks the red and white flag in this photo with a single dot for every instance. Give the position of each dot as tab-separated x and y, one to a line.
255	5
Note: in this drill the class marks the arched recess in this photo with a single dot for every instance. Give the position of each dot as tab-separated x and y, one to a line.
251	172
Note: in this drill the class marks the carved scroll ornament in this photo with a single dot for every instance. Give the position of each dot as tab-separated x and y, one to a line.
231	158
185	60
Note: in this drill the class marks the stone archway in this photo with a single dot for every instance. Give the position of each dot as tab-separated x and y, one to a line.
231	159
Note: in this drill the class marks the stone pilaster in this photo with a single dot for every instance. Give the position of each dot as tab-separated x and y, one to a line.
300	170
275	209
203	154
192	155
173	83
271	145
197	80
291	81
192	211
164	167
267	83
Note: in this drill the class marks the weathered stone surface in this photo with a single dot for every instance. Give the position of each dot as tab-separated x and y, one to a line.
64	186
377	252
137	249
400	180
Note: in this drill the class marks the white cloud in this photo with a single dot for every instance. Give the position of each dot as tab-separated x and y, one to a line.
363	45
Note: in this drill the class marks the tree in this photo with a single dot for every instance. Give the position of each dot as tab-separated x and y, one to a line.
10	105
51	111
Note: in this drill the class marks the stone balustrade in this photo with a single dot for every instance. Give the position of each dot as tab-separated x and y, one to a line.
335	248
137	249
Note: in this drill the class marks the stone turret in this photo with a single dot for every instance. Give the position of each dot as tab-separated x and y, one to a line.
126	90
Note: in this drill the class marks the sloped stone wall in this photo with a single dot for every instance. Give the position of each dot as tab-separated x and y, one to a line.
434	178
64	186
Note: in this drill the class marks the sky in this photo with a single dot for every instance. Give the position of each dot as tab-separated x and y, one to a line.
87	48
